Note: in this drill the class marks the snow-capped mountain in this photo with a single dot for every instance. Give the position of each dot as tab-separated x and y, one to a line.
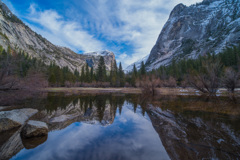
14	33
92	58
137	64
99	53
202	28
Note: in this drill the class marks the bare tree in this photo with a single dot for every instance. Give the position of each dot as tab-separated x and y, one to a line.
230	79
207	80
149	84
170	82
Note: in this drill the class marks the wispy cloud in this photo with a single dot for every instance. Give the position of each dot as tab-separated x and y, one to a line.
129	28
137	23
62	32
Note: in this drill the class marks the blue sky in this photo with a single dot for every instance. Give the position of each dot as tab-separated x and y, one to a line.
129	28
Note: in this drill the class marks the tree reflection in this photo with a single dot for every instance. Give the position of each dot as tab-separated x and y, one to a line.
88	103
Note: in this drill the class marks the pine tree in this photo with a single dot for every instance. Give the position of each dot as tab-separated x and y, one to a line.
59	76
91	75
121	76
82	75
135	70
87	77
113	74
52	79
133	80
101	70
76	74
142	69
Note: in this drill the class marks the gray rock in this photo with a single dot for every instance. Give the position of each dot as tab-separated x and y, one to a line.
34	129
15	118
206	27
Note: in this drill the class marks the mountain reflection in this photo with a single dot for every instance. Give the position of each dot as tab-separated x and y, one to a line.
129	127
60	111
95	127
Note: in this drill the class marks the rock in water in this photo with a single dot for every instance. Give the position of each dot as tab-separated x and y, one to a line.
34	129
31	143
15	118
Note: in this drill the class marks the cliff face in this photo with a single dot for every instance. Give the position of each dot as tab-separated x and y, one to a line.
209	26
14	33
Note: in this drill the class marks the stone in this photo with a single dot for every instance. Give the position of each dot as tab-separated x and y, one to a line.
15	118
34	129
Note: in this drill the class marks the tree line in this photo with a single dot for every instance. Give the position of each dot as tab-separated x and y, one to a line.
17	69
206	73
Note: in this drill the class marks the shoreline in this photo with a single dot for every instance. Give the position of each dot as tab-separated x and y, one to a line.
83	90
158	91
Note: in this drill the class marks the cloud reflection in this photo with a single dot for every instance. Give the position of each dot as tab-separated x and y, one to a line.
131	136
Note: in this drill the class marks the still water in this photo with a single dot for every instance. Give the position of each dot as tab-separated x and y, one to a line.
122	127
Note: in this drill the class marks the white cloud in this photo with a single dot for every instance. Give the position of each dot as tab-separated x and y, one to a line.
61	32
137	23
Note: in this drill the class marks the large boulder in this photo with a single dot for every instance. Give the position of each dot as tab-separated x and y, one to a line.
34	129
15	118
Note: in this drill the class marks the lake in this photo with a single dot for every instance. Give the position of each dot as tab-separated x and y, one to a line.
121	126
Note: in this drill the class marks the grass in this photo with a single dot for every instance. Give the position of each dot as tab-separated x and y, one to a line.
158	91
95	90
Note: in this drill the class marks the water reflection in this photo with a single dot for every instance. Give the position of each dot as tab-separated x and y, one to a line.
60	111
129	127
96	127
210	133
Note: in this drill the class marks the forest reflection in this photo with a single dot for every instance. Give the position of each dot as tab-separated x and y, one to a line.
87	103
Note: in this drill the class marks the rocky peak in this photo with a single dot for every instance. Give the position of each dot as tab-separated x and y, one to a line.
206	27
92	58
178	9
5	10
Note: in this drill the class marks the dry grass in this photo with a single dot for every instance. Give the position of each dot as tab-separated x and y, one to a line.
95	90
191	91
159	91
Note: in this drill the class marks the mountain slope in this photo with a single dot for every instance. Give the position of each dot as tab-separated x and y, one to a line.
137	64
209	26
14	33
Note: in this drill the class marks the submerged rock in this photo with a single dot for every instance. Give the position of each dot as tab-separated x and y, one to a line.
31	143
34	129
15	118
